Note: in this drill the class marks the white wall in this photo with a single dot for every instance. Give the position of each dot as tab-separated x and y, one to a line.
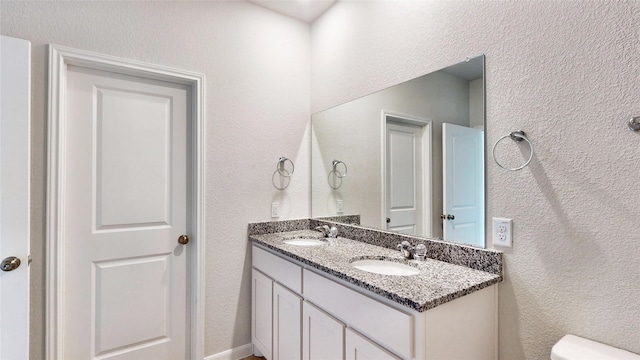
257	68
566	73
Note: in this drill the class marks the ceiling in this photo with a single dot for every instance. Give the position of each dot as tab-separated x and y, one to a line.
305	10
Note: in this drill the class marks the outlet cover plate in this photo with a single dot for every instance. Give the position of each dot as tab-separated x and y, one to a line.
502	232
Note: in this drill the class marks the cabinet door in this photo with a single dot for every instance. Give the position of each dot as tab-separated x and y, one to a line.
322	335
261	314
359	348
287	324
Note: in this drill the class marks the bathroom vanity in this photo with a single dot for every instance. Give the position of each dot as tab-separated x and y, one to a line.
310	302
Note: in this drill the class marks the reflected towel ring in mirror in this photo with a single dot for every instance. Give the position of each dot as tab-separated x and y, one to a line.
516	136
280	167
335	170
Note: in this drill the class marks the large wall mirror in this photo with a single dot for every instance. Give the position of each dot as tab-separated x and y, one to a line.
409	158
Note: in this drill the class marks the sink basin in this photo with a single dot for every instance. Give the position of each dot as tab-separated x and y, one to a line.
385	267
305	242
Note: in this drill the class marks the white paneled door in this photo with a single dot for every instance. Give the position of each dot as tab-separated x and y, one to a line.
15	62
404	178
463	184
126	205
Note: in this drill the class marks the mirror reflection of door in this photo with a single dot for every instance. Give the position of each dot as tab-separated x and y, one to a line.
407	175
463	184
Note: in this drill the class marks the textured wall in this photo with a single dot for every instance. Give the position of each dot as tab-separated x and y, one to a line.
257	68
568	74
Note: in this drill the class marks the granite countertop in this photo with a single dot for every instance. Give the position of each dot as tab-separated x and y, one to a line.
437	283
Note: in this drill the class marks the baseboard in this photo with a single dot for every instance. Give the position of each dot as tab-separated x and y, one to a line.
233	354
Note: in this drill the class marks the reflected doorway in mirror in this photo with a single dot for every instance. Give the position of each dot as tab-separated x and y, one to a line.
463	184
407	174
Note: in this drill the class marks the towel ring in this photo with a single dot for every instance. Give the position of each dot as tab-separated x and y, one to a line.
280	167
516	136
337	173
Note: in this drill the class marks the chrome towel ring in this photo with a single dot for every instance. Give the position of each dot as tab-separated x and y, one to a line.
282	181
516	136
335	176
280	167
337	173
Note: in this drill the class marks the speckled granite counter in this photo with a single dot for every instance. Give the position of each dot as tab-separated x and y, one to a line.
437	283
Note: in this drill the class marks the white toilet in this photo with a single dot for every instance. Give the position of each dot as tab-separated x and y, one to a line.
573	347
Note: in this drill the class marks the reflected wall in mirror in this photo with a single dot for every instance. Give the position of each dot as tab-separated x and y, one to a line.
414	154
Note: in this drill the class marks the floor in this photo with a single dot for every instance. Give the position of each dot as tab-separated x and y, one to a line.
253	358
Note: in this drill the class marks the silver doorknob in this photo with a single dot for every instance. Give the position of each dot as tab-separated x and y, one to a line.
183	239
9	264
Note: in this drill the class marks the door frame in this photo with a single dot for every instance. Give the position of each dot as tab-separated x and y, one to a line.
60	58
427	169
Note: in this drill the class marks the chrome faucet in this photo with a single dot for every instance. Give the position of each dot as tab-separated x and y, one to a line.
330	232
406	249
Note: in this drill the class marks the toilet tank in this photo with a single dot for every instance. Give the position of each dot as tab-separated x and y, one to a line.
573	347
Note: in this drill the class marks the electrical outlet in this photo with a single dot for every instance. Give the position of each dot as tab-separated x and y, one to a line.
339	206
275	210
502	231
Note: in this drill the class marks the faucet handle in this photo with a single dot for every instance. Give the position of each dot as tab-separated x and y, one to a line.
333	232
420	252
326	231
406	249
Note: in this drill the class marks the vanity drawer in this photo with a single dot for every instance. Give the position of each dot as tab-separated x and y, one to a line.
279	269
390	327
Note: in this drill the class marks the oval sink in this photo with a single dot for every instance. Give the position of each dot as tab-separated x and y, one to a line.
305	242
385	267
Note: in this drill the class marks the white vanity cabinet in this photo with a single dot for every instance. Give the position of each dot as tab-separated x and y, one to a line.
276	326
261	316
299	312
286	323
392	327
322	335
357	347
